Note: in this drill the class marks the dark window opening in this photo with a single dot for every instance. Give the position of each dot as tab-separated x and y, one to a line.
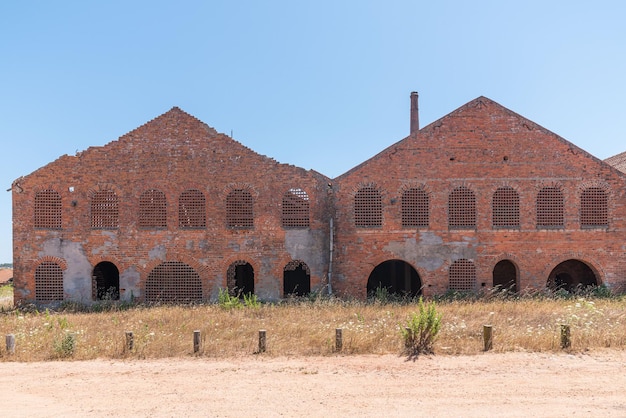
397	277
106	281
296	279
240	279
572	275
505	276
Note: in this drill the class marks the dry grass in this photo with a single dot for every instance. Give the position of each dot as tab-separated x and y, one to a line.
308	328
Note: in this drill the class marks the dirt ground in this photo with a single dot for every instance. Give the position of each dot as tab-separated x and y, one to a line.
512	384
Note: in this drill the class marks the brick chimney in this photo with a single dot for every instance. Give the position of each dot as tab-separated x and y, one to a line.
415	116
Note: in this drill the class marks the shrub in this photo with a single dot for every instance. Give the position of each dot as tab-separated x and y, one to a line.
64	347
226	301
421	330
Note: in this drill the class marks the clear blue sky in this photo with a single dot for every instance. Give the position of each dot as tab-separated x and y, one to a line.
319	84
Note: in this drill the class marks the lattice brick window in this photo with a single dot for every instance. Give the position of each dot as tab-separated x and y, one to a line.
594	208
152	209
191	210
173	281
550	205
368	208
295	209
505	207
462	209
104	209
239	209
294	264
48	209
462	276
415	208
48	282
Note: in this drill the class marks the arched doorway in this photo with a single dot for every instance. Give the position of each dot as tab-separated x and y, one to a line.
505	276
572	275
240	278
296	279
397	276
106	281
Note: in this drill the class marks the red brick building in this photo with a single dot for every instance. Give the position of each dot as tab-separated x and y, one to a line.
175	211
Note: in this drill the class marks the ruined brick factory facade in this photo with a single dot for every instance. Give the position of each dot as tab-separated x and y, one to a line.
174	211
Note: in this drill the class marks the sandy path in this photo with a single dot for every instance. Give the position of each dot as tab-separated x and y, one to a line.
513	384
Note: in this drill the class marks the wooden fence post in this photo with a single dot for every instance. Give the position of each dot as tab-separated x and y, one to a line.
338	339
10	341
488	337
196	341
262	341
566	342
130	341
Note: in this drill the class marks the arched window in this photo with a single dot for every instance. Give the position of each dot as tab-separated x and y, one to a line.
296	279
594	208
152	209
173	281
47	209
295	208
462	276
240	279
505	207
462	209
415	208
48	282
104	210
368	208
191	210
239	213
550	203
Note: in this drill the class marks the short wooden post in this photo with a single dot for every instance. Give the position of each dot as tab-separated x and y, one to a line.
566	342
262	341
338	339
130	341
10	340
488	337
196	341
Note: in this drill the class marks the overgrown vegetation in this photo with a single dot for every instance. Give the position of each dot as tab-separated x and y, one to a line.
421	330
306	326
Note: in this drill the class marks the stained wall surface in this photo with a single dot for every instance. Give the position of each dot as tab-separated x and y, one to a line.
173	210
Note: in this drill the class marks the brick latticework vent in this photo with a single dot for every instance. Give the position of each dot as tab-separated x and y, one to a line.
462	276
505	207
462	209
152	209
48	209
48	282
594	208
191	210
104	210
415	208
173	281
239	213
368	208
295	209
550	205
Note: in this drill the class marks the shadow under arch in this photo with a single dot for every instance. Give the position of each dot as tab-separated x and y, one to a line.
397	276
505	276
572	275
